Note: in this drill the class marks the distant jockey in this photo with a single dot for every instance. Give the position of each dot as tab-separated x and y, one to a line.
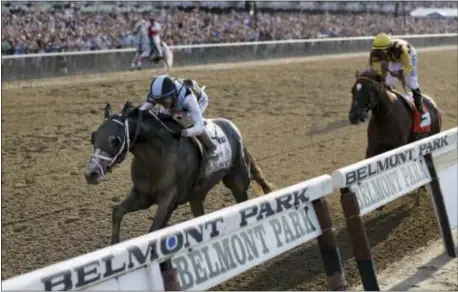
154	33
143	44
401	59
182	95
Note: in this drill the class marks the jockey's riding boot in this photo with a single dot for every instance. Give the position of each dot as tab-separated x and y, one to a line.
418	100
210	147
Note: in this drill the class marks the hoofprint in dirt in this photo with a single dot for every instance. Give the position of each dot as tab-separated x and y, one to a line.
296	125
428	268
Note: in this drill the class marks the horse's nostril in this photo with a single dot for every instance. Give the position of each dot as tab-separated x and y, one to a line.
92	176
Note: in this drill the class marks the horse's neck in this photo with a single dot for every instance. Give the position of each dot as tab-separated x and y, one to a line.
147	136
388	107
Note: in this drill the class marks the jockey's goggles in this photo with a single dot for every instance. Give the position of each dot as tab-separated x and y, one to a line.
163	97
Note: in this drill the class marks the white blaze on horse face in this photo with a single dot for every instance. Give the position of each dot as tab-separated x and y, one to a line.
358	87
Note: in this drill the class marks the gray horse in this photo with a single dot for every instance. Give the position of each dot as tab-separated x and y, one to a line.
166	171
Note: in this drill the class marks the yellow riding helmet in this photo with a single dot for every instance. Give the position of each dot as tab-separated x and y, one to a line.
381	41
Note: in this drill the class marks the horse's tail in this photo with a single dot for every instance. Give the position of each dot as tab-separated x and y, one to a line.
438	110
439	118
168	55
257	174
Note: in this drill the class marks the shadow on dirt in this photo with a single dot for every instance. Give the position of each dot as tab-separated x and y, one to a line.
329	127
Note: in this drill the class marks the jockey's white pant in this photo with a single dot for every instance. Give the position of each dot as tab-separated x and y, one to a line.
411	80
157	43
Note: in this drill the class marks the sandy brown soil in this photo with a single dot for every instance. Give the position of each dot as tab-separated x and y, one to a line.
294	118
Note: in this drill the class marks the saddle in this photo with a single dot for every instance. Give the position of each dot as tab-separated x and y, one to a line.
186	122
419	126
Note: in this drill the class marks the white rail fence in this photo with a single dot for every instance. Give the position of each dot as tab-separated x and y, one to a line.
214	248
374	182
19	67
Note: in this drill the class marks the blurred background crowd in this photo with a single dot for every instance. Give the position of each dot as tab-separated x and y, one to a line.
44	27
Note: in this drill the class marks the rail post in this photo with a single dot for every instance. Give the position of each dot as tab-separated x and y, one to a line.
328	247
358	237
170	276
439	206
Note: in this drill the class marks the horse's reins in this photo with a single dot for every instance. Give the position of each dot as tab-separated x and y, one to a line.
372	83
162	123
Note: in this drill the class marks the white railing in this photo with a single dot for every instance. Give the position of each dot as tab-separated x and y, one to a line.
216	247
226	243
238	44
17	67
374	182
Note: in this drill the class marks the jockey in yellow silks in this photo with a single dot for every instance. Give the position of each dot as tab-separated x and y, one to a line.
402	64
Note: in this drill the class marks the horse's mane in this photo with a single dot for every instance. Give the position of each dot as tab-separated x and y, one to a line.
131	111
371	74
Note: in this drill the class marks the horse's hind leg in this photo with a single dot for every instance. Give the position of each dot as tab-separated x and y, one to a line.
166	66
197	207
238	181
238	186
132	203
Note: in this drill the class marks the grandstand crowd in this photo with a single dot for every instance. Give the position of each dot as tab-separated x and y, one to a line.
69	29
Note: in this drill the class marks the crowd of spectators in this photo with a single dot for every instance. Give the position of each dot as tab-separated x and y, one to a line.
72	30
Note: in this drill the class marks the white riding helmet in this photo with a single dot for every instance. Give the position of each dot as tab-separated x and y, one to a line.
163	87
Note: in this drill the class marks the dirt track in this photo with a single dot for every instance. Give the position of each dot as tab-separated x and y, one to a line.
294	118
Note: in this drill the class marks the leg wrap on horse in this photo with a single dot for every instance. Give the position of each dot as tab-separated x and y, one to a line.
418	99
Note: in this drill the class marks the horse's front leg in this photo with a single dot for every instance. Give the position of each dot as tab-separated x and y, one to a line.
371	150
132	203
166	205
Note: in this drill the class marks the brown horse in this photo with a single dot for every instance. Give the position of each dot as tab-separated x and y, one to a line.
394	121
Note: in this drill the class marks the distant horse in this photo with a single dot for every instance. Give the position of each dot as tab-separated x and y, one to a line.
153	56
166	171
395	120
167	59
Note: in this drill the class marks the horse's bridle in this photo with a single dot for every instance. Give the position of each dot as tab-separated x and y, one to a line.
118	158
373	100
126	145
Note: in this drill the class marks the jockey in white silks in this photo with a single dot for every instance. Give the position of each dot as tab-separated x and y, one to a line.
155	34
179	95
143	43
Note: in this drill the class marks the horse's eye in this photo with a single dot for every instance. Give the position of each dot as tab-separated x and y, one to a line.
114	141
93	138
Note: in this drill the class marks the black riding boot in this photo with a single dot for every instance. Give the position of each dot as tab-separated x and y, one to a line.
418	100
208	143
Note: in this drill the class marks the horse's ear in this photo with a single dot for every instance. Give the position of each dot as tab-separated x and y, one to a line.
127	106
127	109
357	73
107	110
